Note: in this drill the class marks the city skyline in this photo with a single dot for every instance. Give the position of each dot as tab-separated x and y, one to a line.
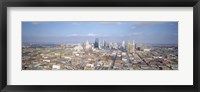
100	45
79	32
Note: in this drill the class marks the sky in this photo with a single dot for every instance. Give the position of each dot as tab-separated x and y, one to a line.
79	32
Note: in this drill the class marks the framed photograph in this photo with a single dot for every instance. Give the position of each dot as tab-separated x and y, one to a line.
101	45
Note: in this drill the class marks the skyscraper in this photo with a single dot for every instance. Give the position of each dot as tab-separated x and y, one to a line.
103	44
129	46
87	45
96	43
123	44
133	46
99	44
110	45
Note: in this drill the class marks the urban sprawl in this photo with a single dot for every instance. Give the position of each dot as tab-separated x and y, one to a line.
99	55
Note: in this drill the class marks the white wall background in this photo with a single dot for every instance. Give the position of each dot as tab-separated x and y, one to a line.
182	76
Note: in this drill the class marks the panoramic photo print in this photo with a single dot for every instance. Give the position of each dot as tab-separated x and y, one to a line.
99	45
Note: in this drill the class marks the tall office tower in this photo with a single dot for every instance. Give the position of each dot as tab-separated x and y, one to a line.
123	44
110	45
129	47
96	43
105	45
99	44
102	44
87	45
115	46
134	46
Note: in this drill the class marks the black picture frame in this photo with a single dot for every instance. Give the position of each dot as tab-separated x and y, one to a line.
99	3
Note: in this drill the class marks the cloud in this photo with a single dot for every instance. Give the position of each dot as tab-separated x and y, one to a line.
71	35
91	34
86	35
